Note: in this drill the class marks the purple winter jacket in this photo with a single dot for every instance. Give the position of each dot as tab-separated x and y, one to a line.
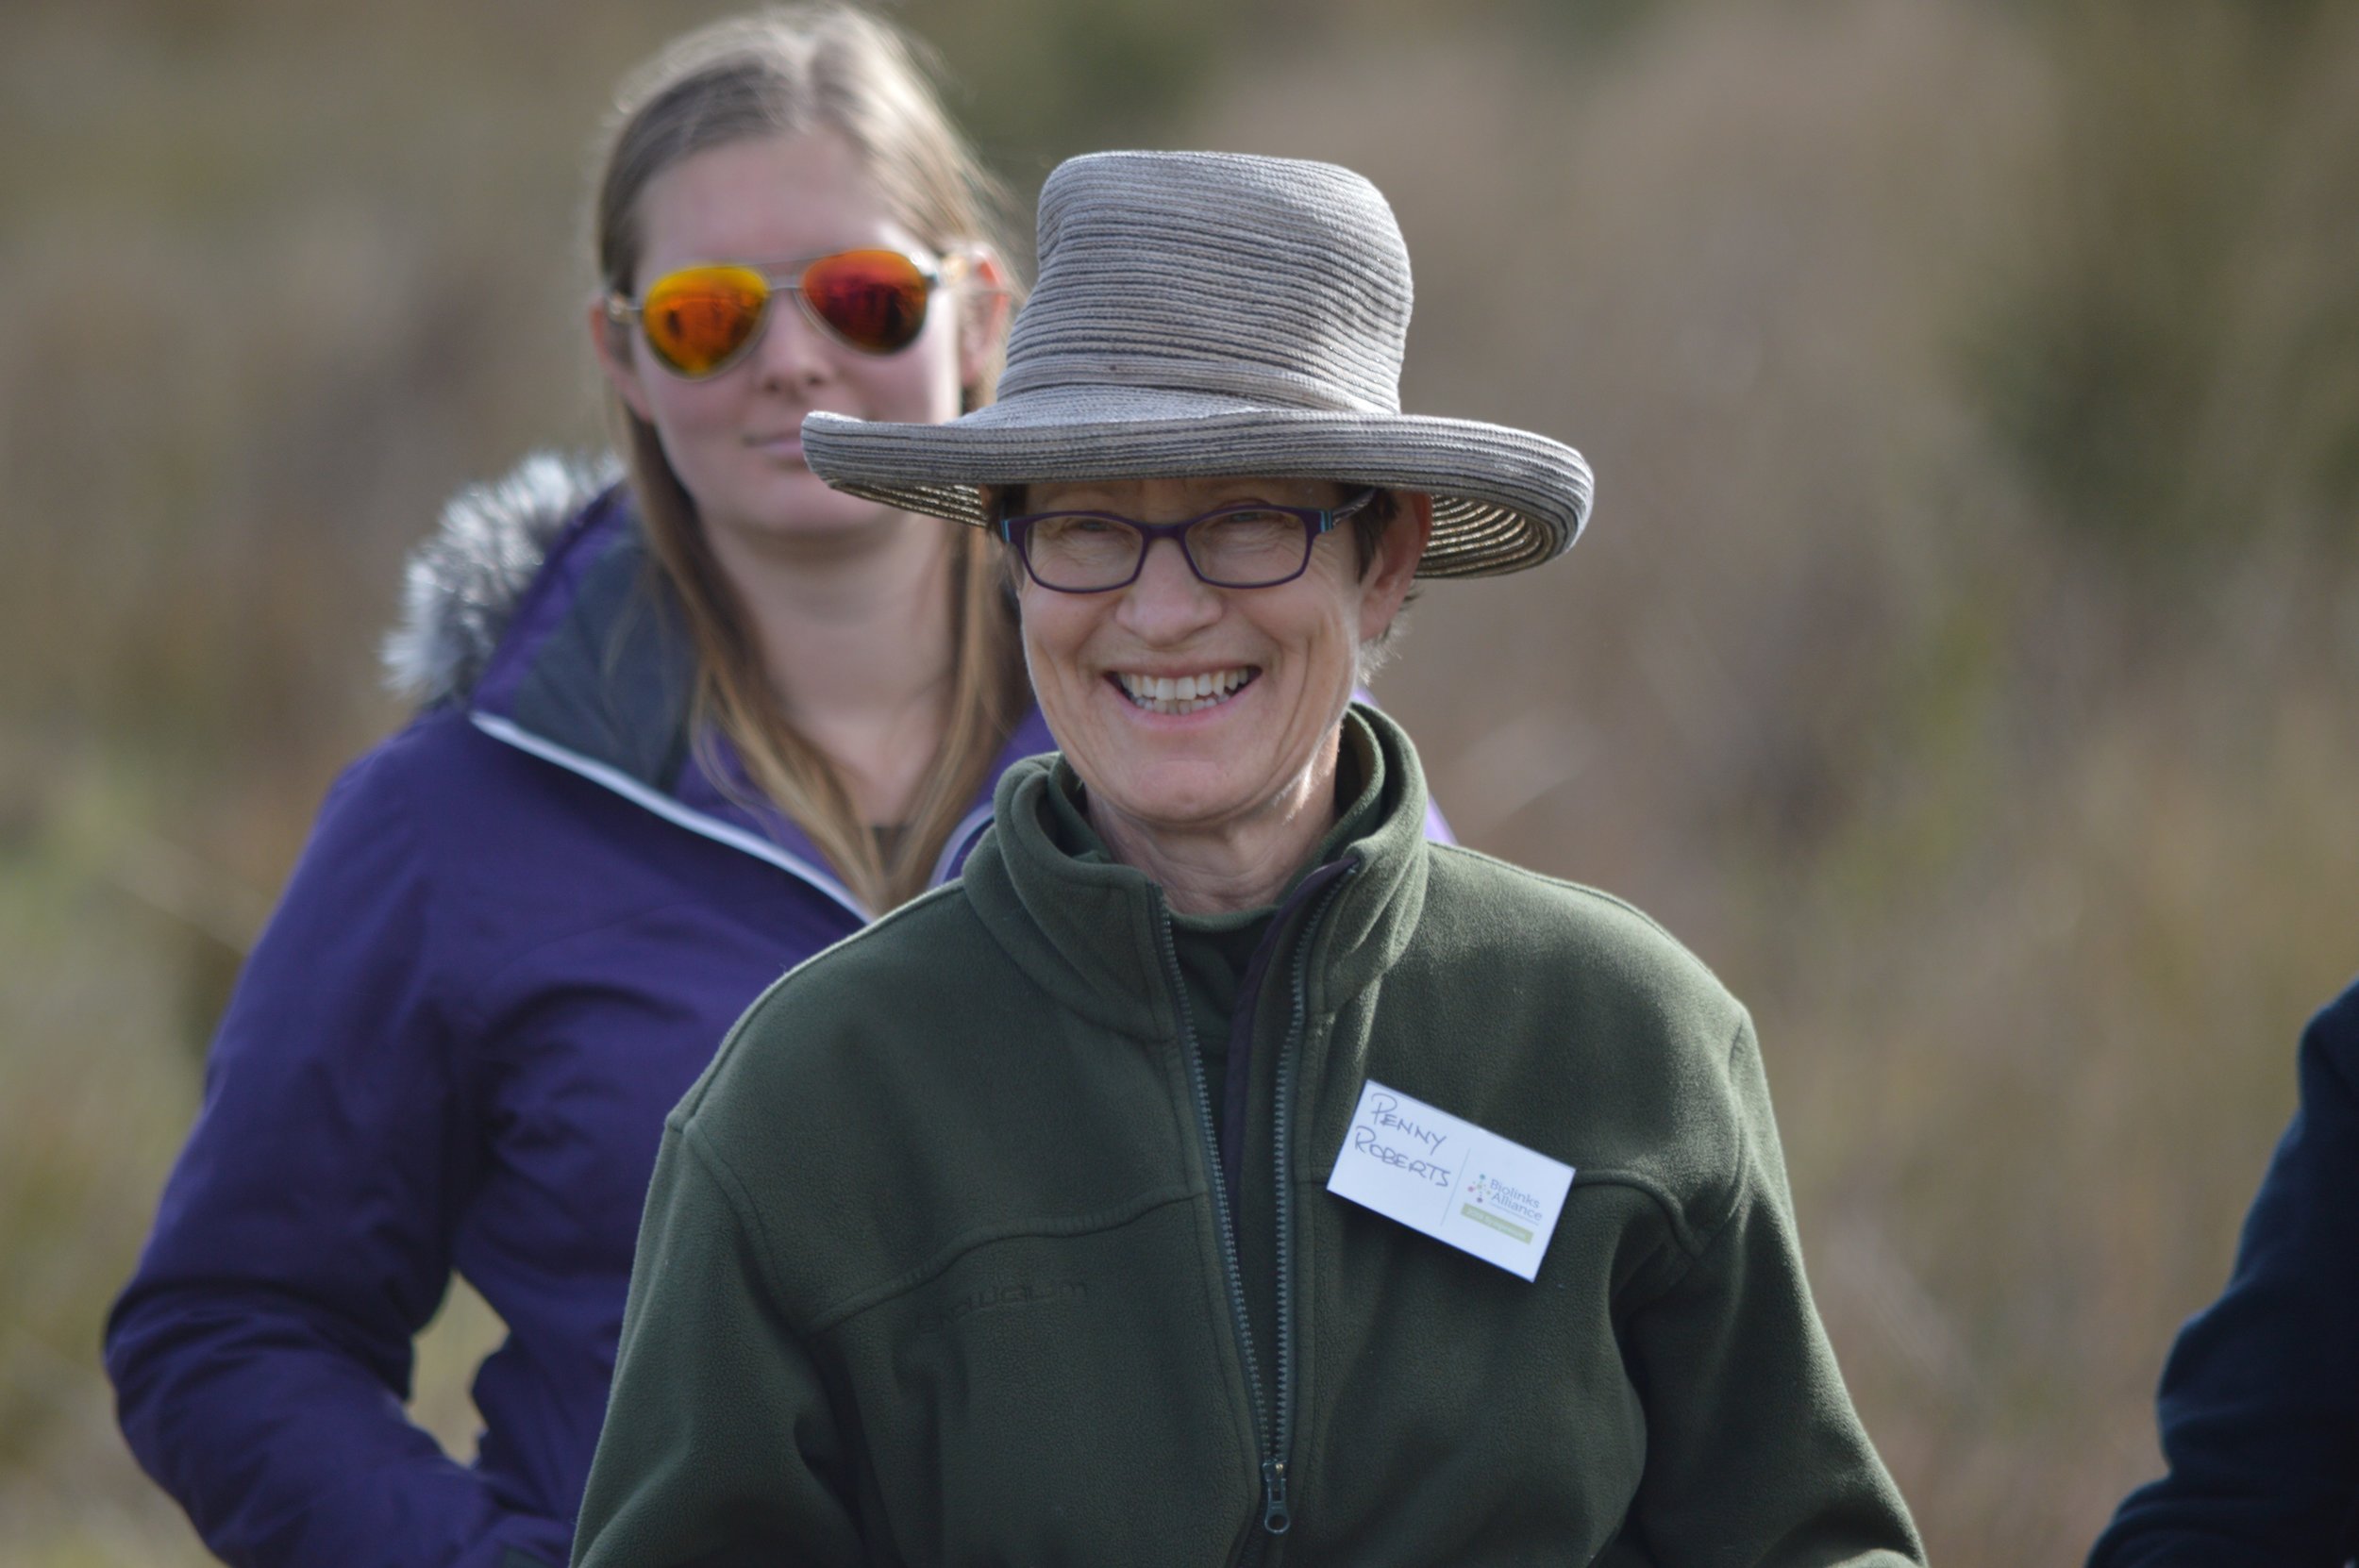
520	929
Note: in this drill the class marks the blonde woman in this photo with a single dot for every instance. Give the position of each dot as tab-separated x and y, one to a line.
675	734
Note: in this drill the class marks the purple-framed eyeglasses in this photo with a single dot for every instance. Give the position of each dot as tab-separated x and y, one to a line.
1241	545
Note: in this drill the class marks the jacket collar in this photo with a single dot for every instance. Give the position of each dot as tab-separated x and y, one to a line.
1092	933
563	640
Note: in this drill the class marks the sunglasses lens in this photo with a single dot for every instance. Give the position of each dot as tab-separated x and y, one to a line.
698	320
873	299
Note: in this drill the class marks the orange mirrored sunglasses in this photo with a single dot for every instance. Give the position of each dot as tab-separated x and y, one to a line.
701	320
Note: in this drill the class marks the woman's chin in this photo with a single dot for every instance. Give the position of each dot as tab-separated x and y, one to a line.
800	498
793	506
1182	795
1182	813
1179	773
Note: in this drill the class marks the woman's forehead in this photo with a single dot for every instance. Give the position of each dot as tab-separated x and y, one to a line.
765	198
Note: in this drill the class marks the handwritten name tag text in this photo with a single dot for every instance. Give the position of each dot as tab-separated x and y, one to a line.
1364	1141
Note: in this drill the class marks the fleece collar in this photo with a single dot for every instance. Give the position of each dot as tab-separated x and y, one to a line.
1091	933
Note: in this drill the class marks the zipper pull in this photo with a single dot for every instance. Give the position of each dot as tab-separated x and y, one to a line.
1275	1515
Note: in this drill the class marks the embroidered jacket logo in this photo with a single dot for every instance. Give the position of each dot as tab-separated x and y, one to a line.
1018	1293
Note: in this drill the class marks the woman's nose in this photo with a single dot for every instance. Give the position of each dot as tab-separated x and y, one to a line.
791	352
1168	601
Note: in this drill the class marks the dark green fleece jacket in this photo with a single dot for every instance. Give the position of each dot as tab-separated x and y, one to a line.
939	1265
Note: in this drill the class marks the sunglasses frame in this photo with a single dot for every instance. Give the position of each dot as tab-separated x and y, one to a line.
1017	532
786	278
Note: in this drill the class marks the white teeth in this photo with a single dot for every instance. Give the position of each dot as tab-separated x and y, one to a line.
1184	694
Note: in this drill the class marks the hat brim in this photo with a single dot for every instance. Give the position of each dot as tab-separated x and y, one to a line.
1503	499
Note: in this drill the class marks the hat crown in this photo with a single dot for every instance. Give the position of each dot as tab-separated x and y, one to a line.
1275	280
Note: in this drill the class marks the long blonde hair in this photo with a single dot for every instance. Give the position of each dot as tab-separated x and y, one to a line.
779	72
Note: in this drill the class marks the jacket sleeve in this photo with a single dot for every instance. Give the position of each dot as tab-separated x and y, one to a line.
2260	1398
262	1352
1754	1455
719	1447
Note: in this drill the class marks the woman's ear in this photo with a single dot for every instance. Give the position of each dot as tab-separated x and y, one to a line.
1398	550
983	299
610	340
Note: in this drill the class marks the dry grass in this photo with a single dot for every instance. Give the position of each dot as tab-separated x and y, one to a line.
1960	662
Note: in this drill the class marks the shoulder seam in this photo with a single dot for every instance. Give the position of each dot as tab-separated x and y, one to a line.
1744	1128
723	1175
1709	1237
1683	1231
1564	885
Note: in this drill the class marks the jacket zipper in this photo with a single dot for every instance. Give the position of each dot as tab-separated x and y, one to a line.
1275	1440
1233	1276
1275	1512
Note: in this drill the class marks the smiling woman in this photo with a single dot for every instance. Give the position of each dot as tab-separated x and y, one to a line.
1126	1052
1205	683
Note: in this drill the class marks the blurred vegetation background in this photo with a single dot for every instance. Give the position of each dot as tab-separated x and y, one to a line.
1963	658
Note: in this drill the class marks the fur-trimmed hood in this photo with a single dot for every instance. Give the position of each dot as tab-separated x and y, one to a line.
532	615
464	580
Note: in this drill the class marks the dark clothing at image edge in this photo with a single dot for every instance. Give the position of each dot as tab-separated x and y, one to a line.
2259	1405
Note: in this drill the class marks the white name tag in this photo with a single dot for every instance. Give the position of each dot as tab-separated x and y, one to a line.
1451	1179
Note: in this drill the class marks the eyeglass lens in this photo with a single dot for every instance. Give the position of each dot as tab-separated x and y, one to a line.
1247	548
873	299
698	319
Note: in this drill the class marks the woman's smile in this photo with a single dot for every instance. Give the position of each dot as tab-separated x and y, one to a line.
1190	692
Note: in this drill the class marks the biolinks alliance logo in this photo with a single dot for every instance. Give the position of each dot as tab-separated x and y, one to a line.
1491	1194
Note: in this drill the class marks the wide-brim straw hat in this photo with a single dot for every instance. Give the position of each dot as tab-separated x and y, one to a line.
1212	314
